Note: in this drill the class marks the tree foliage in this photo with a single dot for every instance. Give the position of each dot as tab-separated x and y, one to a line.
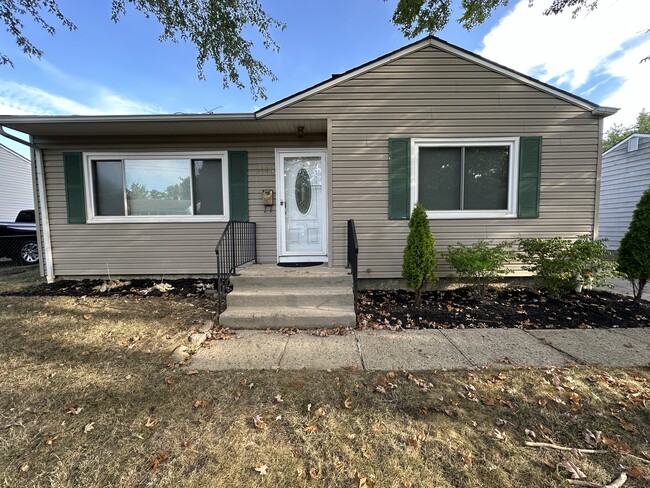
634	252
618	132
215	27
414	17
420	260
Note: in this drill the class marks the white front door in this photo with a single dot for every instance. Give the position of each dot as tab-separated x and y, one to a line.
301	179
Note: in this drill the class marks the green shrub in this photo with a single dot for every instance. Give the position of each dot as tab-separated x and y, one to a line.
480	263
419	254
559	265
634	252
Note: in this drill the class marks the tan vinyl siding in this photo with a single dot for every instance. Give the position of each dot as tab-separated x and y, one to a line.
431	93
16	192
159	248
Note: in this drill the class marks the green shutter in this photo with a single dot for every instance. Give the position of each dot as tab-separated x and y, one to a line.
238	184
399	165
73	174
530	166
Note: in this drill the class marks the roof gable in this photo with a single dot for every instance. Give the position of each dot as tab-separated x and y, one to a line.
446	47
624	141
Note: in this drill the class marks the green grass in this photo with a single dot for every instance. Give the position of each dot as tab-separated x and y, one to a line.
159	426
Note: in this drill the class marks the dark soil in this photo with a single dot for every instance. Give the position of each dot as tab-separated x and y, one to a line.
140	287
521	308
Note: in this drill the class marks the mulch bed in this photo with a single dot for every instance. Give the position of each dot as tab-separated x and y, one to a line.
137	287
521	308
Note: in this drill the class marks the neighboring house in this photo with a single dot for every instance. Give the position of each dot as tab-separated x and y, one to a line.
625	176
490	152
16	190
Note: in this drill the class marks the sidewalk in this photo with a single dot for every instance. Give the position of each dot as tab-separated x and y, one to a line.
426	349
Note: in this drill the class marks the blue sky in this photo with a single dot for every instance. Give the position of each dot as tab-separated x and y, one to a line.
108	68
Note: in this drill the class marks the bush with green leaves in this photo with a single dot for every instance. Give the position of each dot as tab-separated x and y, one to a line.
559	265
634	252
480	264
419	260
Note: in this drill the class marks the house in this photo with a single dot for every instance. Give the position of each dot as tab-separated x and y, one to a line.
624	178
490	152
16	190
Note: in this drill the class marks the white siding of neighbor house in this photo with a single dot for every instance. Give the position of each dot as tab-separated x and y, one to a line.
159	249
16	192
625	176
432	93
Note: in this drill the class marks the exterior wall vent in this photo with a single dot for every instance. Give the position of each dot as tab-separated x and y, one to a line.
633	144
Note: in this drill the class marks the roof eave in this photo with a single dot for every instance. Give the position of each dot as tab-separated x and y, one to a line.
604	111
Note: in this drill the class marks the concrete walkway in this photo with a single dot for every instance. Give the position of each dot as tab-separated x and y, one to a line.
426	349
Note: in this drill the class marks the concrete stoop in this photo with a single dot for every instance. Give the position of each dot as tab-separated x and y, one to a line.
275	297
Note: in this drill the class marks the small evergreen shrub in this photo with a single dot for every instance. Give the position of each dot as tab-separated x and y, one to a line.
419	260
634	252
559	265
480	263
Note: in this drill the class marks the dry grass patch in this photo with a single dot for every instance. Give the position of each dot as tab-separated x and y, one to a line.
89	401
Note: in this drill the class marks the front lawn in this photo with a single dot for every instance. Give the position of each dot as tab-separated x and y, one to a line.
88	400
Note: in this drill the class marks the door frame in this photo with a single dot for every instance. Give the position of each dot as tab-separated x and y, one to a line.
300	257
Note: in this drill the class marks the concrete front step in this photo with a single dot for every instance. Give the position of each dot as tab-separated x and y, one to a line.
291	297
265	276
281	317
269	296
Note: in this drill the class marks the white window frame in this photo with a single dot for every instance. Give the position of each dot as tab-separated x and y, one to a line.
93	218
513	175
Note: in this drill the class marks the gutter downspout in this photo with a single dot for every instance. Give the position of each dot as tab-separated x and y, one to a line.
38	178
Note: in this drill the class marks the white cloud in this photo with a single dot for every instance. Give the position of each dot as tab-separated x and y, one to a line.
580	53
21	99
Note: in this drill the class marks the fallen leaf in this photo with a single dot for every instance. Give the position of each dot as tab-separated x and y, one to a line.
262	469
74	410
50	440
192	371
365	452
501	422
380	389
90	426
499	435
575	472
258	422
278	398
314	474
467	459
87	316
202	403
347	403
413	440
160	458
319	412
531	434
310	429
364	482
592	439
150	422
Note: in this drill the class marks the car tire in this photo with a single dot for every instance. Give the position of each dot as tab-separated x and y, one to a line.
28	253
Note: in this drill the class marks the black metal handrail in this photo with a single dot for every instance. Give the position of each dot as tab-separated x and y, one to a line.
353	257
236	247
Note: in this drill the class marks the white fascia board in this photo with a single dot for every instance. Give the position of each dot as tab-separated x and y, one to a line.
62	119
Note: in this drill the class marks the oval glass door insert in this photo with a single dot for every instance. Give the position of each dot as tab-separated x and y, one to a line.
303	191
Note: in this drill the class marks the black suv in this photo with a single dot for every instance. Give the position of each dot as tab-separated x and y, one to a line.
18	238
